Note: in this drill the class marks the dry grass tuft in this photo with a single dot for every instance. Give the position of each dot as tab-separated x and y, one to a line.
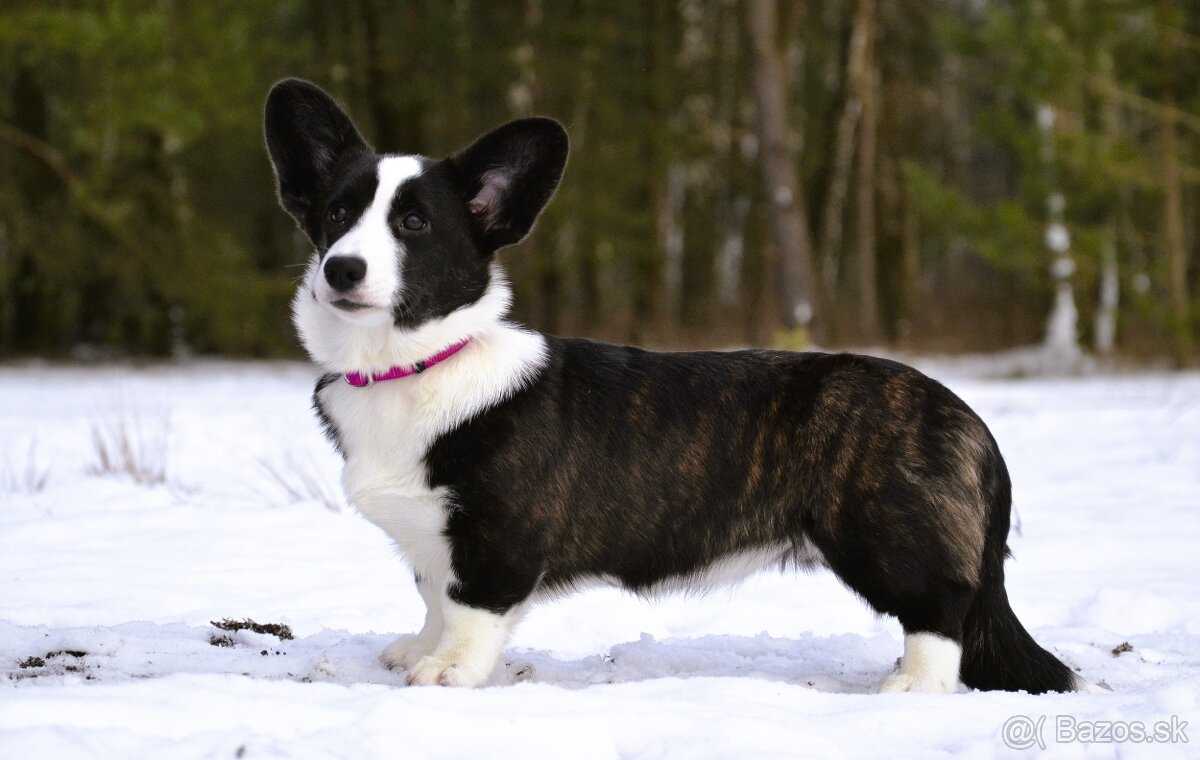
299	479
25	478
128	443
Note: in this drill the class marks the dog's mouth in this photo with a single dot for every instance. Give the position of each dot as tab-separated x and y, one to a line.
346	304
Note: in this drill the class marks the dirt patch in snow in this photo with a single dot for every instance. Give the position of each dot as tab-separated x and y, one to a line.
282	632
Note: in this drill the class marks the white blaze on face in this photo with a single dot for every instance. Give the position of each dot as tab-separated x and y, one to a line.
372	240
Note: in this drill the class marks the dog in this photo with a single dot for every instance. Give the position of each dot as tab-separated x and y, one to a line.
509	466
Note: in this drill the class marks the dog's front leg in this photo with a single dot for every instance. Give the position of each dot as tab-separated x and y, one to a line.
471	641
486	588
407	650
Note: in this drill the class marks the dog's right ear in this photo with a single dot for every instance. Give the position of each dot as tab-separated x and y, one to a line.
308	136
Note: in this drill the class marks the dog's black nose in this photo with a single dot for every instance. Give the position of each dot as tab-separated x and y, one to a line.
344	272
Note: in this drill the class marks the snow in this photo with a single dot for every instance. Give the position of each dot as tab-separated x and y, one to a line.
113	585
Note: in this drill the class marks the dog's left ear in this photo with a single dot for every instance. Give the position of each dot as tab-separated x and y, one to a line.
508	175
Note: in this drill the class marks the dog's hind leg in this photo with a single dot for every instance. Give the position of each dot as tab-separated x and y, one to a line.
905	564
932	606
931	609
930	664
923	538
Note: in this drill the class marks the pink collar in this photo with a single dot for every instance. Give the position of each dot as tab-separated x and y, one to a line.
361	380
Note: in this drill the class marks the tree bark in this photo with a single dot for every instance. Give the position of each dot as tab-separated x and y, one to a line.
911	266
798	302
647	302
1173	229
23	301
1174	238
835	198
865	84
1104	331
1062	328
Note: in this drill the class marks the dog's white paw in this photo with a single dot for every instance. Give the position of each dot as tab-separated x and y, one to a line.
406	651
435	671
898	682
929	665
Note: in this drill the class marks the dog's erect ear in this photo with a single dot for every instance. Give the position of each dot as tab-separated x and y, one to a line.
508	175
308	135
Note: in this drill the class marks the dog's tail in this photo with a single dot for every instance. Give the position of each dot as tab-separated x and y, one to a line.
998	653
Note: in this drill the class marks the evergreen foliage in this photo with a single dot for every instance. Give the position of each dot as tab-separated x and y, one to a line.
137	215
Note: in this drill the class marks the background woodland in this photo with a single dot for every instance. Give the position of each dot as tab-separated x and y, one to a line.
932	175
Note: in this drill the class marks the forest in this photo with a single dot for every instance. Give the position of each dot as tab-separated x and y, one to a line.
925	175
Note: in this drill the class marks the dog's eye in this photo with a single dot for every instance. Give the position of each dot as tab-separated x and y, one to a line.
338	214
413	222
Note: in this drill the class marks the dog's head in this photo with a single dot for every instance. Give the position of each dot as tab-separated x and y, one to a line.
403	244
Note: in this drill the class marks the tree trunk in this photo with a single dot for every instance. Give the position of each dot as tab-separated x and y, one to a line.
732	206
1173	233
23	303
865	85
1105	336
911	245
1173	230
1062	328
830	243
798	303
671	202
1108	298
586	136
646	297
379	105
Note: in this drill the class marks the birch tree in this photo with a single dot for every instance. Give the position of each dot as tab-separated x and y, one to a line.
798	304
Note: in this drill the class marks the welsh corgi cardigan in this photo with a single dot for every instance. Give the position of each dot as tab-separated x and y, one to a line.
508	465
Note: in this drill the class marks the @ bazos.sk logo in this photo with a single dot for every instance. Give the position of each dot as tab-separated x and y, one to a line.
1027	732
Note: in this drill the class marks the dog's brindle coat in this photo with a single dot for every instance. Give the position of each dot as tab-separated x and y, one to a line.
644	469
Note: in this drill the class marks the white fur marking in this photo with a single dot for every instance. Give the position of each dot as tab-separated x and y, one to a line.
386	431
341	346
1081	684
724	572
371	239
808	556
930	665
471	643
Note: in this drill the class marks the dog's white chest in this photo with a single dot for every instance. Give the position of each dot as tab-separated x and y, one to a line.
385	435
387	429
386	432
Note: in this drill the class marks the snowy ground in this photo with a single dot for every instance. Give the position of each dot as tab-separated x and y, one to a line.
108	587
